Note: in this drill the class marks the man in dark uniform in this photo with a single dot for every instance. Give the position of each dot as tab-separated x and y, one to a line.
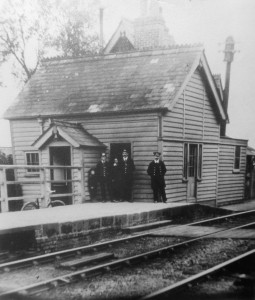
157	170
127	168
115	180
103	176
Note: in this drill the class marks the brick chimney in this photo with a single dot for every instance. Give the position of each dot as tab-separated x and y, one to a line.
229	57
150	27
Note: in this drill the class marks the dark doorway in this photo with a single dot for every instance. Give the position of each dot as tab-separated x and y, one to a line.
192	171
61	156
250	178
117	148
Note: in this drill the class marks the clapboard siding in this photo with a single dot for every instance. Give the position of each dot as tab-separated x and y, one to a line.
207	188
193	117
230	183
173	158
139	130
90	158
24	132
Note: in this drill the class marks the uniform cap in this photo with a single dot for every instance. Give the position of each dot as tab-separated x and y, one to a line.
156	153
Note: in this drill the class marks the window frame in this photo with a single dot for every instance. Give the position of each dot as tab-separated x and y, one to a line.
30	154
185	162
199	161
237	159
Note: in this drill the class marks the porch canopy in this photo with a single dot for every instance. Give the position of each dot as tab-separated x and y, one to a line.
73	133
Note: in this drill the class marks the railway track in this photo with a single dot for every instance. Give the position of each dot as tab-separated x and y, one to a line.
108	266
180	286
57	256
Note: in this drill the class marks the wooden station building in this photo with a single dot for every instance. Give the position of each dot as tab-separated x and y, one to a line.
144	94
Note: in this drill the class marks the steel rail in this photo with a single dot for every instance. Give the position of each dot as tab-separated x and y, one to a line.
46	258
81	274
176	287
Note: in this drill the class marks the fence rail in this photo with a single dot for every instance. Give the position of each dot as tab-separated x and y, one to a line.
37	184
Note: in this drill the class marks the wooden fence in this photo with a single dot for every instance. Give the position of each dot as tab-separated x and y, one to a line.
42	180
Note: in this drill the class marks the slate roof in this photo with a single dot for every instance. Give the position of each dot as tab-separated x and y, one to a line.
134	81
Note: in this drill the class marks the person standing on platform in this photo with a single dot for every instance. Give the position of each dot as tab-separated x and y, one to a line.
115	180
157	170
127	168
103	177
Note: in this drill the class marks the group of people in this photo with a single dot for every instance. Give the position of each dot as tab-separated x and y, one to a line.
116	178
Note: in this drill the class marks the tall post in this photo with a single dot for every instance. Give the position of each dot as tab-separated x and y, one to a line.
4	191
228	58
101	10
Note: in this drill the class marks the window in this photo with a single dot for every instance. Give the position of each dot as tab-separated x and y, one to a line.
199	161
32	159
185	162
237	157
192	161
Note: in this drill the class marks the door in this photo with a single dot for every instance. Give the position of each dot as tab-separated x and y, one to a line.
192	171
61	156
117	148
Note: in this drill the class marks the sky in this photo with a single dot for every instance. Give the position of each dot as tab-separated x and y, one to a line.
208	22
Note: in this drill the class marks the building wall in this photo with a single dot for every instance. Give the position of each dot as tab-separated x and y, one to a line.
24	133
90	159
192	120
231	183
140	130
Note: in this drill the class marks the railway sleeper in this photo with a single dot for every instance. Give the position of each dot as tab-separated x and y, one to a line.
244	280
80	262
148	226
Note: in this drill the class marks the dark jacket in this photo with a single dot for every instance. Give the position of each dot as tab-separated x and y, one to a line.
103	171
127	168
157	172
115	173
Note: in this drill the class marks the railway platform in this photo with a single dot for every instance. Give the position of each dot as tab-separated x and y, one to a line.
244	206
31	219
62	227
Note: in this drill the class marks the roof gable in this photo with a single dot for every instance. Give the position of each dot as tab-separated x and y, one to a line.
125	27
201	62
123	44
74	134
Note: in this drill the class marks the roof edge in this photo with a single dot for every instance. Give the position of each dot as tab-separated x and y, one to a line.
201	60
134	53
107	113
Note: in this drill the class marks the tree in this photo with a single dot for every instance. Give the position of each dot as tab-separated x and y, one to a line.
75	33
3	159
21	26
33	29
